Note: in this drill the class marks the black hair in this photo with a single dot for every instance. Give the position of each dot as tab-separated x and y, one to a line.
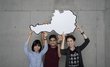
70	36
53	36
35	43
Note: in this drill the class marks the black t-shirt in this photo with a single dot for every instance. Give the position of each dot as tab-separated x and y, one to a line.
73	59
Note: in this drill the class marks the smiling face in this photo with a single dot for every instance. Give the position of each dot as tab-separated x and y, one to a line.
70	42
37	48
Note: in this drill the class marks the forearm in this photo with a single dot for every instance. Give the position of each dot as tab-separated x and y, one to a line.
62	44
59	52
82	32
26	50
84	35
45	41
44	49
45	44
44	37
86	41
26	47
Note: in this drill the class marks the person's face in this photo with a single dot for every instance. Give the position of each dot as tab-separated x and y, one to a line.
70	42
53	42
36	48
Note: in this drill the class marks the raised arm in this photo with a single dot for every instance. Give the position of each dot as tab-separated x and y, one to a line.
63	41
63	50
26	50
59	43
81	31
85	38
45	44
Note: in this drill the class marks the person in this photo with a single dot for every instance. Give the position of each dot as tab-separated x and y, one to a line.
35	55
53	54
73	52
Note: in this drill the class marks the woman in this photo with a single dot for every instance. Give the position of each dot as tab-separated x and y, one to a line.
35	56
73	52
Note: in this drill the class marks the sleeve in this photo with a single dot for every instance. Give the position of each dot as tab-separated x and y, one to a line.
84	44
44	49
63	51
26	50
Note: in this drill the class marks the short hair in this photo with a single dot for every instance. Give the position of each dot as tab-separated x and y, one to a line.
35	43
70	36
53	36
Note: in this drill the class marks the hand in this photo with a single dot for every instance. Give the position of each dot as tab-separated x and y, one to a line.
44	35
79	29
61	37
30	33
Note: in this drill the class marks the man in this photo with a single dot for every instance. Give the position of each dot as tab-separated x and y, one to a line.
53	55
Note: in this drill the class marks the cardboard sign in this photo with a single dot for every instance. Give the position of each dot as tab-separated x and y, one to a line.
61	22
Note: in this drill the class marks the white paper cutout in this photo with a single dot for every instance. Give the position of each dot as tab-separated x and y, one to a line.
61	22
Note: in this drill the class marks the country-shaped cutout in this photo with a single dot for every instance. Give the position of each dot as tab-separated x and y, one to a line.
61	22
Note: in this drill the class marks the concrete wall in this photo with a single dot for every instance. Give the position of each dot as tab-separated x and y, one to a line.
17	15
107	32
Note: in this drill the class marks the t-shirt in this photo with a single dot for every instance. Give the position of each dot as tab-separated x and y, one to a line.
74	58
51	57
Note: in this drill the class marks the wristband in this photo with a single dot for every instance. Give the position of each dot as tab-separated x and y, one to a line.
59	42
82	33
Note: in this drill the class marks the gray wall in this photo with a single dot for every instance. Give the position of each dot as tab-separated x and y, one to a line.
17	15
107	32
